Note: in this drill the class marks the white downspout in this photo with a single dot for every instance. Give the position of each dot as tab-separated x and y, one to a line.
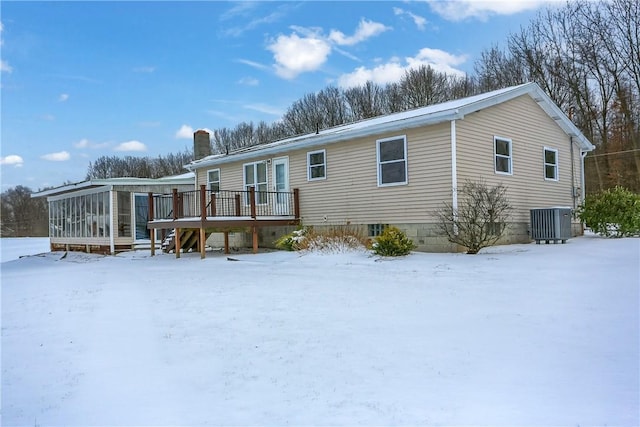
454	176
112	231
583	154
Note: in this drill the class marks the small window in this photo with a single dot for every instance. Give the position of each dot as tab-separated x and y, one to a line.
502	151
392	161
213	180
316	165
375	230
550	164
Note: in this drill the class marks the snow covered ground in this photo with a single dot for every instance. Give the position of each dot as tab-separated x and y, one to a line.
517	335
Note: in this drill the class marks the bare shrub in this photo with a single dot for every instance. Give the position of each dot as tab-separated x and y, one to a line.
480	219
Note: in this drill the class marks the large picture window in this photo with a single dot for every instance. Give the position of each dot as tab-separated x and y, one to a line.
316	165
502	154
255	176
392	161
550	164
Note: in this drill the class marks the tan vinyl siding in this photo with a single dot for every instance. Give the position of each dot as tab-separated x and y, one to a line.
530	130
350	192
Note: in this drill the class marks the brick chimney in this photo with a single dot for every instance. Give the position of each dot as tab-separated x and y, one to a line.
201	144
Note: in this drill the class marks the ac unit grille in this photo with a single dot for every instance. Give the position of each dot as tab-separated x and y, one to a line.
551	224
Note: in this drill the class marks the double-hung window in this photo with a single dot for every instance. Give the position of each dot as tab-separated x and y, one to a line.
392	161
213	180
550	164
255	176
316	165
502	154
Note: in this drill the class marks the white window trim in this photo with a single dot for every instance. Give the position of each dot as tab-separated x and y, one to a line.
495	155
209	182
324	157
244	180
544	164
379	168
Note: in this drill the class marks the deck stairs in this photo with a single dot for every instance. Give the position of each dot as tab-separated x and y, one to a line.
188	240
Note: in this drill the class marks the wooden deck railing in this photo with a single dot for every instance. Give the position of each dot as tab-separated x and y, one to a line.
204	204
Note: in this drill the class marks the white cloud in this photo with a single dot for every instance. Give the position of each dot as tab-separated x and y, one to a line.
249	81
83	143
5	67
63	97
366	29
61	156
131	146
145	69
253	64
13	160
382	74
185	132
394	69
295	55
48	117
307	49
420	21
264	108
481	10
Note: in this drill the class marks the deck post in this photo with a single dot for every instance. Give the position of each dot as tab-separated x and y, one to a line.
203	202
203	241
178	245
296	202
213	204
255	239
174	198
237	204
226	242
252	195
152	232
203	216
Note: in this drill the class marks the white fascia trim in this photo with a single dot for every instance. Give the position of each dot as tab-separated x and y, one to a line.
112	182
331	136
71	194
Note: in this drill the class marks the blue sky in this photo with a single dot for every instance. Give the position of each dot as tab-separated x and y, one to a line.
80	80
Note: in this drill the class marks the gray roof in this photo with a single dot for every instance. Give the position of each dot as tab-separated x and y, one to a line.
432	114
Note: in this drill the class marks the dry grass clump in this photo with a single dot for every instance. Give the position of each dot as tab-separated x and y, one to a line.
334	239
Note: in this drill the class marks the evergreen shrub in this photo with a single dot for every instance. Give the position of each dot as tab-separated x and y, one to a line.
612	213
392	242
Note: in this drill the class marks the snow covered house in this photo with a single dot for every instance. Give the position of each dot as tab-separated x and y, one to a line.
399	168
106	215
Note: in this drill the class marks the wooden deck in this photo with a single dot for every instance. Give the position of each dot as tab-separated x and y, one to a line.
194	215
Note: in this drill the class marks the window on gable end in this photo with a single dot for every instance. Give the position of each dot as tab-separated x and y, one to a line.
502	155
550	164
392	161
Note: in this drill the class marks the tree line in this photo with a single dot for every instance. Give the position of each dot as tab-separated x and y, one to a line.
585	55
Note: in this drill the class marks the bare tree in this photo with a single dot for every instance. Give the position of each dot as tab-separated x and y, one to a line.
365	101
424	86
21	215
